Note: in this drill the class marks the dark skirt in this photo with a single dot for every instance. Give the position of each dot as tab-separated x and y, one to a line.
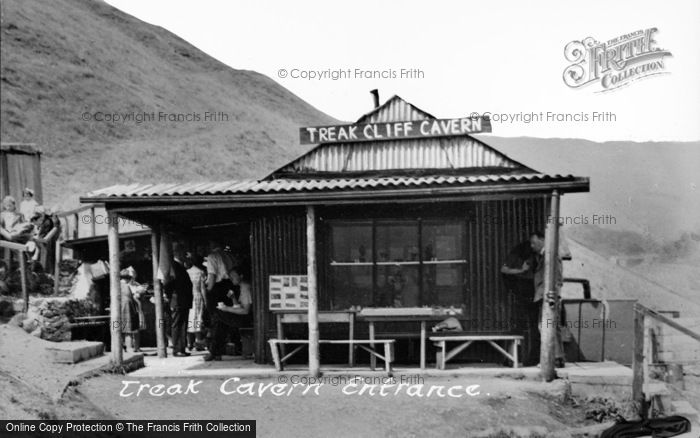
131	314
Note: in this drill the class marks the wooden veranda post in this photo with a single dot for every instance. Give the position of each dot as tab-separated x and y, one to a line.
314	359
638	363
158	295
115	302
23	277
57	266
550	317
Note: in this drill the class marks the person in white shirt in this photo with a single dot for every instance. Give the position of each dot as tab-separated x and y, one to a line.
28	205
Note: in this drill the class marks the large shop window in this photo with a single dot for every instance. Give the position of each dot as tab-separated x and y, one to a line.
397	263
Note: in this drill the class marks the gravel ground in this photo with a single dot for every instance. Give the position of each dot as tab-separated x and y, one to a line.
494	406
527	408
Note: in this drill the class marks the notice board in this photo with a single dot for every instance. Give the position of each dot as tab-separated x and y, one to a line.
289	292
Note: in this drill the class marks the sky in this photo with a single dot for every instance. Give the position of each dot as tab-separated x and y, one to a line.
500	57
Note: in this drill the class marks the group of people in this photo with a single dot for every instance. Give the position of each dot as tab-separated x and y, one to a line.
32	225
205	301
523	273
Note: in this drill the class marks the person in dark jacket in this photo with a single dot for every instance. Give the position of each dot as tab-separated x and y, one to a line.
178	291
228	317
517	276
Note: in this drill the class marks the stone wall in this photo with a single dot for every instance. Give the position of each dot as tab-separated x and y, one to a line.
50	318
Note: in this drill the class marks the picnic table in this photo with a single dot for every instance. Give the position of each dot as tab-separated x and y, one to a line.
420	316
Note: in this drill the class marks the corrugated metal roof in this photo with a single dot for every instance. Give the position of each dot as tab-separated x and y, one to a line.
316	185
395	110
422	153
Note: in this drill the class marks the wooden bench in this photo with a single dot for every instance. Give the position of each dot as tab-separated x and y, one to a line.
387	357
466	340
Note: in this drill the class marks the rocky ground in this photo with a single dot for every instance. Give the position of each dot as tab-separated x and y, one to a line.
30	387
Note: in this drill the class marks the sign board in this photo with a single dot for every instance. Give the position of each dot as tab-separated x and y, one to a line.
289	292
394	130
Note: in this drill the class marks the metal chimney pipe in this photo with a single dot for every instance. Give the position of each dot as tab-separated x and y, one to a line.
375	94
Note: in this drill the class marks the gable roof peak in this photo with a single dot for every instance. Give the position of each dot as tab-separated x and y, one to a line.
395	109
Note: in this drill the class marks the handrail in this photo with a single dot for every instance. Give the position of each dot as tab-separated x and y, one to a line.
649	312
13	246
78	210
71	228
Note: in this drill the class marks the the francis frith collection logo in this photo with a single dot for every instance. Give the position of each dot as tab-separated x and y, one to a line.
614	63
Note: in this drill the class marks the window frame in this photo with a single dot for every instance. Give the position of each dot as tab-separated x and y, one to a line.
330	264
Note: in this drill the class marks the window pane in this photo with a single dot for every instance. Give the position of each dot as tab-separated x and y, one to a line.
397	286
443	271
397	241
351	286
443	241
352	242
443	284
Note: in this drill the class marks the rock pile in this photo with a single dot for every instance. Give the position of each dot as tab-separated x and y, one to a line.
68	270
50	318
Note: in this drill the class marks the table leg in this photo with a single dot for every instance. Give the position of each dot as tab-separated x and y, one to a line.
515	353
444	355
372	359
280	333
422	345
351	347
275	356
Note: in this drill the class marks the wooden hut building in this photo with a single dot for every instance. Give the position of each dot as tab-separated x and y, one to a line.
401	211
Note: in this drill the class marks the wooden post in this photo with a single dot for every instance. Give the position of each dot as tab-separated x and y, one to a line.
550	317
115	302
314	359
638	363
23	279
158	296
76	230
57	266
92	221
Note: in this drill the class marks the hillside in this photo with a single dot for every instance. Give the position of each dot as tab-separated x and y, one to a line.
649	282
650	250
651	188
61	58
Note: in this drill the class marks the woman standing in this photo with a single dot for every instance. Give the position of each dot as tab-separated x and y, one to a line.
132	318
195	323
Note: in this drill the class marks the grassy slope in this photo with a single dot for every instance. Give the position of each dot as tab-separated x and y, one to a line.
652	250
650	188
63	57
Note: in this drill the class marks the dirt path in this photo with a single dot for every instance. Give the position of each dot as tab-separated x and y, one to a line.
19	401
333	413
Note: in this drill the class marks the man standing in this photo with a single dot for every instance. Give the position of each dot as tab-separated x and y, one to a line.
518	278
219	267
537	245
219	287
178	290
